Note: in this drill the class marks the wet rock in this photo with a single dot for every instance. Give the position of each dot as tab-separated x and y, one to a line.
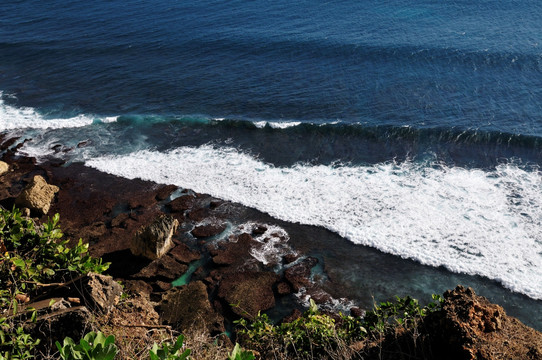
182	253
299	275
199	214
4	167
164	268
181	204
37	196
235	252
289	258
208	230
164	192
188	308
155	240
259	230
250	292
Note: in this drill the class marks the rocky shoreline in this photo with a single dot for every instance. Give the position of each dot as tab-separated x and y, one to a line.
226	264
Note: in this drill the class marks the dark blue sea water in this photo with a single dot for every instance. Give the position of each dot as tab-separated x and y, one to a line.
410	129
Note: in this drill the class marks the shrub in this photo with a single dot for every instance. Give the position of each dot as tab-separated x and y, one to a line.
31	256
93	346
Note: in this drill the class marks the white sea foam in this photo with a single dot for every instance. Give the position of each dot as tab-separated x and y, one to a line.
12	118
277	124
468	220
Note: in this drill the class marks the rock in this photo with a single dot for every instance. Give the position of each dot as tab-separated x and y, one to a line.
120	220
250	292
181	204
259	230
299	275
155	240
356	312
188	308
296	314
182	253
164	268
289	258
199	214
4	167
283	288
164	192
235	252
100	292
470	327
138	286
37	195
208	230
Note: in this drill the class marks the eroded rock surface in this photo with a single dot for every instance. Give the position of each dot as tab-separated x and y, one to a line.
37	196
155	240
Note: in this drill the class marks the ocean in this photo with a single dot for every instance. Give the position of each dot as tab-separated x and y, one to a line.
406	134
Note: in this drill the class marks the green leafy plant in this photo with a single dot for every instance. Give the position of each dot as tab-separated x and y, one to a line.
93	346
240	354
33	256
169	352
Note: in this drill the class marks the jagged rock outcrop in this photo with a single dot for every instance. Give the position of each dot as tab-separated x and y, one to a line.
469	327
37	196
155	240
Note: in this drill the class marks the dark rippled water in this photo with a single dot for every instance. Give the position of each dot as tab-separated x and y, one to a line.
410	129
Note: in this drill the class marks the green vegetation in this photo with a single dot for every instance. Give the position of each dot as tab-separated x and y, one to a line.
33	256
169	352
93	346
317	335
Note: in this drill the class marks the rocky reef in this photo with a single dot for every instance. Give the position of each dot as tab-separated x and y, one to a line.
192	260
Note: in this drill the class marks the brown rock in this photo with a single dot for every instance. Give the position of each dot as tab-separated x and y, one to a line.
181	204
470	327
299	275
101	292
250	292
164	192
188	308
37	195
296	314
164	268
155	240
208	230
283	288
235	252
199	214
182	253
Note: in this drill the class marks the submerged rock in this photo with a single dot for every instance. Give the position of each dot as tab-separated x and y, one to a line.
155	240
37	196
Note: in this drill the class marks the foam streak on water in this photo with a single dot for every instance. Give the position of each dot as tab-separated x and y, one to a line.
468	220
13	118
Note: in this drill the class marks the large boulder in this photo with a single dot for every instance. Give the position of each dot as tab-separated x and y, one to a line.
248	292
155	240
101	292
165	268
37	196
188	308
